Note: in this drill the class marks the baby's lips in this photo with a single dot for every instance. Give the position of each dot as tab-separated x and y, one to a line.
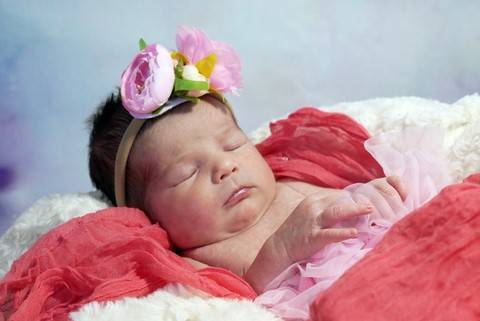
237	195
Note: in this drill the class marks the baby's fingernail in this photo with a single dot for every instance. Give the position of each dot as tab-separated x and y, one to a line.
353	232
365	206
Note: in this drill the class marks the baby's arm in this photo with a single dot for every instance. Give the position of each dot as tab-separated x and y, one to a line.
268	263
305	232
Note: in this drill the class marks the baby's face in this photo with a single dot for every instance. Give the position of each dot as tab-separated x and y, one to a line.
197	159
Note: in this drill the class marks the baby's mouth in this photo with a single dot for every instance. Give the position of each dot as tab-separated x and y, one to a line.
238	195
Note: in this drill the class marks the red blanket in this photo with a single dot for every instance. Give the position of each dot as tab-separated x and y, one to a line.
325	149
117	252
101	256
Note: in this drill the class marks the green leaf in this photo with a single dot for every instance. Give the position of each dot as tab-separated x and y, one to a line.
142	44
179	69
180	93
191	99
184	84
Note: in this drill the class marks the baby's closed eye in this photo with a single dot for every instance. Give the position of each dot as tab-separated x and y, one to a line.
179	176
235	143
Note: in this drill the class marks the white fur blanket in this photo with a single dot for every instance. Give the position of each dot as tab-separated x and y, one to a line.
462	145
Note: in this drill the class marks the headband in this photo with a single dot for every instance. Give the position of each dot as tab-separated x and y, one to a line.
158	80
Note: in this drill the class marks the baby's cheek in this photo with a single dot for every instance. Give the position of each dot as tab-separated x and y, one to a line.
202	209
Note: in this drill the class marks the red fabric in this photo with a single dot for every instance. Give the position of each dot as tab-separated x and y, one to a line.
426	268
116	252
325	149
102	256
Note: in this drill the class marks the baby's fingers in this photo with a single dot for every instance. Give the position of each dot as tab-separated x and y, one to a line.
337	212
333	235
398	184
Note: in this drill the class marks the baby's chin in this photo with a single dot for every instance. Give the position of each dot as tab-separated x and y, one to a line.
244	218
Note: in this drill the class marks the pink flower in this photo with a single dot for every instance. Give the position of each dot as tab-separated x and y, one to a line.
195	45
148	82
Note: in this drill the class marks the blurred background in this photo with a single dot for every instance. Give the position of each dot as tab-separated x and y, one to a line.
59	59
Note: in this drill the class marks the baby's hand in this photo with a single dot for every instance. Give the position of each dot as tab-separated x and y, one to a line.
385	194
309	227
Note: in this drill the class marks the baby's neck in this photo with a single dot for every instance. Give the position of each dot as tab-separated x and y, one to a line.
289	193
285	201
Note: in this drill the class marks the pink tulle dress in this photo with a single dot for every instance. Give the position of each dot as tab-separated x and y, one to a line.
414	154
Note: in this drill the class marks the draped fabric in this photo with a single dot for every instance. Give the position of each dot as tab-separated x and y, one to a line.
425	268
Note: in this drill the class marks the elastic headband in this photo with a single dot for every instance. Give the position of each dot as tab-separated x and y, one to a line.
122	157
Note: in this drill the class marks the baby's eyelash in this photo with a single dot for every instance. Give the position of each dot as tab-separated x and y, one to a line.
235	146
186	178
189	176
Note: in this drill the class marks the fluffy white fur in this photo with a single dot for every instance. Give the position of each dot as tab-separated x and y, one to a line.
173	303
462	145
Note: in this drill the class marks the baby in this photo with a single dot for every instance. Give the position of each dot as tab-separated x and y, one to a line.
197	174
169	144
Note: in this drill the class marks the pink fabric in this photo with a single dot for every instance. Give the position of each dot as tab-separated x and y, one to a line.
413	154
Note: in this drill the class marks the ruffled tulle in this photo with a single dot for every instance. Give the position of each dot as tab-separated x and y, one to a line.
414	154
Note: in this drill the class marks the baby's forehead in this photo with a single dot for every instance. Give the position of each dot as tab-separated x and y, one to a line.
188	129
200	116
193	122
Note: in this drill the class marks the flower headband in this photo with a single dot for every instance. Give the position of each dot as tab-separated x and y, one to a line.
158	80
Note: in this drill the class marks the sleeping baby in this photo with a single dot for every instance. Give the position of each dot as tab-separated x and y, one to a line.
169	144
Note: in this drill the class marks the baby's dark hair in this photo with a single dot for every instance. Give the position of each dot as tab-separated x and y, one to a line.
107	125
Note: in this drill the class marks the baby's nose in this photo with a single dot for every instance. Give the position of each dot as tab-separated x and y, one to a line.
224	170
